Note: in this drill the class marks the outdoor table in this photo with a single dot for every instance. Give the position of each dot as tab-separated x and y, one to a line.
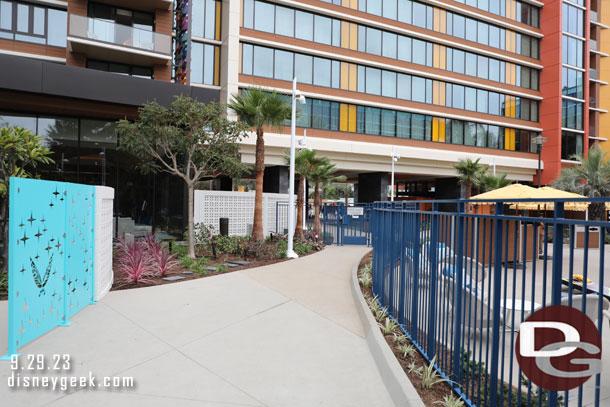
592	288
517	307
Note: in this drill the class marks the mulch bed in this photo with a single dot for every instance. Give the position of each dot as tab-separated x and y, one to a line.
430	396
119	277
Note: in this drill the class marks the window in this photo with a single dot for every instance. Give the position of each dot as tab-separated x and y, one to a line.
481	135
571	144
373	41
457	132
471	64
304	119
284	21
389	45
418	126
205	18
373	81
404	86
131	70
203	57
323	30
263	62
419	11
483	67
470	134
419	89
246	58
459	26
419	52
458	96
304	24
388	82
482	100
321	72
404	11
404	48
373	120
470	99
403	125
303	65
283	65
321	114
390	9
33	23
388	123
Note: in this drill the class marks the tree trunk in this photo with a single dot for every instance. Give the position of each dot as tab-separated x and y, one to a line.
298	231
468	189
346	194
191	242
257	225
4	228
317	203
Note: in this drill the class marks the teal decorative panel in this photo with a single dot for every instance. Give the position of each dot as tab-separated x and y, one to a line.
50	256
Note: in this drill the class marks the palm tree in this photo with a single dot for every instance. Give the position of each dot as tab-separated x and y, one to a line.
259	108
591	179
489	182
301	160
320	171
468	173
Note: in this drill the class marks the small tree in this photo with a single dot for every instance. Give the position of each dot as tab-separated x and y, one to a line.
591	179
468	173
489	182
20	153
190	139
321	172
301	159
258	108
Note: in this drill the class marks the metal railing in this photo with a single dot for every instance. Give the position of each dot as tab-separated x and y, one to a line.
460	284
118	34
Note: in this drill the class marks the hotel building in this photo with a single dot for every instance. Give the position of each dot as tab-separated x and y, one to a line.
435	80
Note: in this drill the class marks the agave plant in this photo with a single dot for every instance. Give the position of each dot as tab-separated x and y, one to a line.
412	368
389	327
406	350
450	401
135	262
400	338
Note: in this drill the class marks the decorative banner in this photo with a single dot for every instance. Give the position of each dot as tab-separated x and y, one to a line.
181	42
50	251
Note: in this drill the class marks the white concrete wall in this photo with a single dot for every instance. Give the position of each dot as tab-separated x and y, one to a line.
210	206
104	198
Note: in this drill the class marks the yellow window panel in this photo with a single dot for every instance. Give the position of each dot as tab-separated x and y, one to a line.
435	129
352	119
437	19
353	77
509	139
435	98
344	34
218	14
353	4
435	59
441	130
346	3
442	52
343	113
216	66
344	75
353	36
443	22
241	56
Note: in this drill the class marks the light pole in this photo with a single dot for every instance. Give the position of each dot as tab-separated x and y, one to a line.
395	158
539	140
295	96
303	145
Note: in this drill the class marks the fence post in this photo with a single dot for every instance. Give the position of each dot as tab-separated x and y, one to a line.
414	310
457	303
277	215
557	270
497	294
402	273
434	244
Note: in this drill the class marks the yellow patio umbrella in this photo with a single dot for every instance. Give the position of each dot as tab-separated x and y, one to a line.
512	191
554	193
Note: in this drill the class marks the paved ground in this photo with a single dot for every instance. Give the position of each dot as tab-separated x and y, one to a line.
281	335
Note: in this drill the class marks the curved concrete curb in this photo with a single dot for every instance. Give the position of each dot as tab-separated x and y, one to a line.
396	381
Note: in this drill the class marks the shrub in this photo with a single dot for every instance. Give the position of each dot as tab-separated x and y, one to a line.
389	327
450	401
3	283
164	261
430	376
135	262
180	250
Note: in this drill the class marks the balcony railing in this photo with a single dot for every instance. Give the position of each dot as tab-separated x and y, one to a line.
119	35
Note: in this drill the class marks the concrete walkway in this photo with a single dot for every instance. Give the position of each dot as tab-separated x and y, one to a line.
281	335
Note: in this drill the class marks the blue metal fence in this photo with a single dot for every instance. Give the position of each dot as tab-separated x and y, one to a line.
460	283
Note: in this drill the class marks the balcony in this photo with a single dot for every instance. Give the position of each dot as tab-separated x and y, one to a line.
593	16
143	5
592	73
592	45
107	41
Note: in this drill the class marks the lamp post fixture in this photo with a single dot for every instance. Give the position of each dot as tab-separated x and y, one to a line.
539	140
395	158
296	95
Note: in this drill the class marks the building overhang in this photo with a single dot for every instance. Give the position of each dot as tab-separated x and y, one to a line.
116	53
144	5
357	156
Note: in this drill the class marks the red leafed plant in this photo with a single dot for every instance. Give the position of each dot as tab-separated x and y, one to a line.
164	262
135	262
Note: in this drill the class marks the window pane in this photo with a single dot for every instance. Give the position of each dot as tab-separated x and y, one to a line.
321	70
373	121
403	125
373	7
27	122
248	13
96	132
470	133
471	29
208	64
388	84
304	118
373	81
494	70
404	11
389	45
388	123
471	64
23	18
283	65
6	15
39	20
483	29
197	62
459	26
389	9
404	87
57	28
322	30
210	20
457	132
419	89
246	59
284	21
470	99
404	48
303	65
263	62
304	24
482	99
458	96
494	103
321	114
481	135
418	126
483	64
419	52
458	61
373	41
419	11
336	74
263	16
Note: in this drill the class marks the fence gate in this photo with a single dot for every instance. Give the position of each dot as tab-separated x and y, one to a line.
354	224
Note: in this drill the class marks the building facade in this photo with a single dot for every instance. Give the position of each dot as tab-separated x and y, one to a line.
434	80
